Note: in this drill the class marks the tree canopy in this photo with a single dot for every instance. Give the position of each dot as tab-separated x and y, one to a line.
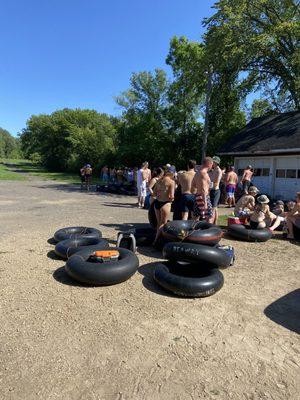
9	145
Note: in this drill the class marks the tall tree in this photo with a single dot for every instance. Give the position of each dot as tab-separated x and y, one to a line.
261	39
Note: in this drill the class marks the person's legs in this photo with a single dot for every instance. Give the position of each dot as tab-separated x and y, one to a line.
184	207
162	215
290	222
209	213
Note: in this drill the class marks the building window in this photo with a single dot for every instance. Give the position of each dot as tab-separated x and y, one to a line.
265	172
258	172
291	173
298	173
240	172
280	173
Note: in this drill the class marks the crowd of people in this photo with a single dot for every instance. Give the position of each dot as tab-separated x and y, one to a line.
198	190
201	187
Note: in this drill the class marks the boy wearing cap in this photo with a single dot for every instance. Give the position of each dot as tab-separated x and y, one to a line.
246	178
262	216
215	177
246	203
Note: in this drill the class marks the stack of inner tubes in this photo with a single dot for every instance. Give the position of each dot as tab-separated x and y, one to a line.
78	245
200	232
246	233
191	269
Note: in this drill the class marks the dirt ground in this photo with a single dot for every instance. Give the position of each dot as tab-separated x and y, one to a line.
61	340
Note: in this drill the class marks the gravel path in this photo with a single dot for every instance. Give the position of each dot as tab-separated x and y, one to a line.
60	340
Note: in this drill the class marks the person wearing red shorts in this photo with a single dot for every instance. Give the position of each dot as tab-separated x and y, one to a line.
200	186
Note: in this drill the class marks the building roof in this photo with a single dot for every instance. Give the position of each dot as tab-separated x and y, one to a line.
272	134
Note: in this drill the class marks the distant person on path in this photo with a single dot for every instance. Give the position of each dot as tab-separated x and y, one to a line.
120	176
246	204
231	181
200	186
246	178
88	176
185	179
104	174
142	181
215	175
293	217
82	176
164	195
112	175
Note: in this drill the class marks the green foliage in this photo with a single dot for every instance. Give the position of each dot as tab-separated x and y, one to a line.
260	108
68	138
9	146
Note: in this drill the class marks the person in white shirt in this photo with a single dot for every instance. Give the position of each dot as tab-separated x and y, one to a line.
215	177
143	178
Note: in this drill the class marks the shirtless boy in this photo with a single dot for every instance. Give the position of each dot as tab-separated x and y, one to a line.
185	179
231	180
215	193
246	204
200	186
293	216
246	178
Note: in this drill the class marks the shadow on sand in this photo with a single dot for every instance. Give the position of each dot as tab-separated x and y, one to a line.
286	311
61	276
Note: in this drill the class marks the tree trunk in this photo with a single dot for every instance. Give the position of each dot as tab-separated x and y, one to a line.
207	105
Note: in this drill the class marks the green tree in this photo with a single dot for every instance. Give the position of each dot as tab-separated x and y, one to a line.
260	39
260	108
9	145
142	132
68	138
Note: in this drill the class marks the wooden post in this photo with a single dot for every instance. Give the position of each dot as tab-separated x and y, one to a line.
207	105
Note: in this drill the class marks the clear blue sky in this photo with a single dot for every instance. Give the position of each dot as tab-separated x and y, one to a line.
81	53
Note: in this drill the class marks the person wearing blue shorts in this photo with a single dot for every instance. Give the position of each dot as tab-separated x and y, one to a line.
185	179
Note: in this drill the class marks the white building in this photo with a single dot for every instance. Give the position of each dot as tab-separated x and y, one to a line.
271	145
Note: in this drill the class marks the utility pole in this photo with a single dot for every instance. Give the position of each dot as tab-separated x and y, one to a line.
207	107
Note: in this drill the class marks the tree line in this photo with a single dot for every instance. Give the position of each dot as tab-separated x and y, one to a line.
9	145
248	46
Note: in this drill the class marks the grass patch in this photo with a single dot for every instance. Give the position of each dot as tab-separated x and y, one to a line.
222	220
7	175
19	169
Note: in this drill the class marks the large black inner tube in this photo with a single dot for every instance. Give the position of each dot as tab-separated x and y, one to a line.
201	255
186	280
73	232
66	248
152	216
246	233
200	232
144	236
81	267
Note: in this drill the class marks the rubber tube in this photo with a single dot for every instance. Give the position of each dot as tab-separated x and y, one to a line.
66	248
246	233
73	232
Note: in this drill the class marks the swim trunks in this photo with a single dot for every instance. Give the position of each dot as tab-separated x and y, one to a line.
199	207
215	197
187	202
230	189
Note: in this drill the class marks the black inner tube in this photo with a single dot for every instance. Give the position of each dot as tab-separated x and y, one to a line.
200	255
186	280
246	233
83	269
75	231
66	248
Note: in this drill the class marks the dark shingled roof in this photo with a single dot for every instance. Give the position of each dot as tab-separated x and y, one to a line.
277	133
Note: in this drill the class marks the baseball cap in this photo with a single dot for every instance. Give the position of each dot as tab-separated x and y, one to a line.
253	189
171	169
279	203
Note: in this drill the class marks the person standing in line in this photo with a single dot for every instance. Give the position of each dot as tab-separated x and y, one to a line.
215	175
200	186
231	180
246	178
142	180
88	176
185	179
164	196
159	173
104	174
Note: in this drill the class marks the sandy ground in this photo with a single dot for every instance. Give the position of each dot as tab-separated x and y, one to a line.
60	340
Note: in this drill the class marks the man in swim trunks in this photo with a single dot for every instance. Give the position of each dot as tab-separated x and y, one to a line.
246	178
215	193
143	178
246	204
185	179
231	180
200	186
88	176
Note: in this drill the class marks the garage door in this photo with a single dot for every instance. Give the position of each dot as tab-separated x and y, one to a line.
287	177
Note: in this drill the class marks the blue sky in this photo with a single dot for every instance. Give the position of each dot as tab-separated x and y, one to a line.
76	53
